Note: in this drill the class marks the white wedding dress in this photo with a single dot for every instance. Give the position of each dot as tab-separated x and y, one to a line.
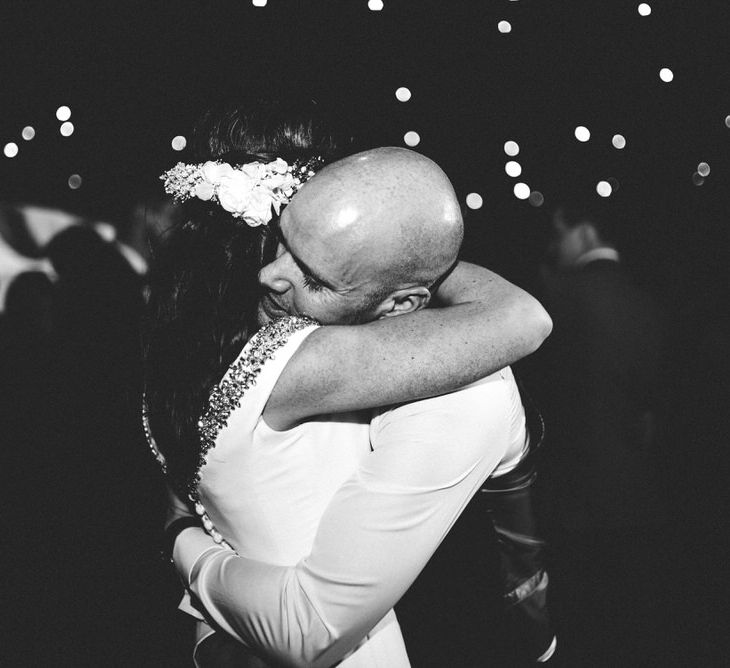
263	492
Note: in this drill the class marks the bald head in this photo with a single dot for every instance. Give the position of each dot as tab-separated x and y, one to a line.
391	211
365	238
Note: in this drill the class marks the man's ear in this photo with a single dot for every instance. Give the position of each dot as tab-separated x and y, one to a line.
405	300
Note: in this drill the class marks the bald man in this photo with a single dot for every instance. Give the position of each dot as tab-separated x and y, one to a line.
367	238
380	227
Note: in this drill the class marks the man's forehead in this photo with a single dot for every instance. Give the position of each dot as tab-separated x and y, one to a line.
328	252
286	228
284	217
334	201
324	219
296	214
288	225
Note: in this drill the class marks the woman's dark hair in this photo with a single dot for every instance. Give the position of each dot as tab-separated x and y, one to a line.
203	285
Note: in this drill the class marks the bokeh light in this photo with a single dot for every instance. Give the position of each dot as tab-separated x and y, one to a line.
582	133
513	168
618	141
375	5
727	121
179	143
697	179
28	132
411	138
504	27
666	75
536	198
74	181
63	113
644	9
259	3
603	188
67	129
511	148
10	150
703	169
521	190
474	201
106	231
403	94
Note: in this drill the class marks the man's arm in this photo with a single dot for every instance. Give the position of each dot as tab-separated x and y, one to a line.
377	534
488	323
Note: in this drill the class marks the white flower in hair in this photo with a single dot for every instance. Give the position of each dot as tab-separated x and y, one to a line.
258	208
204	190
253	191
213	172
235	190
279	166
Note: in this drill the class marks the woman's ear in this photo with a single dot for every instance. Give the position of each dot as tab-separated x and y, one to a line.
405	300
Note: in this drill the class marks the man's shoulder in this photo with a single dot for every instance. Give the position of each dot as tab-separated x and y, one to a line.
475	423
461	402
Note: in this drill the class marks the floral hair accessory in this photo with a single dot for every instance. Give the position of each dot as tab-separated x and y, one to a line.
250	191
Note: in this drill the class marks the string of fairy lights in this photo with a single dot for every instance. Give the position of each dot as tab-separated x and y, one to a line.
411	138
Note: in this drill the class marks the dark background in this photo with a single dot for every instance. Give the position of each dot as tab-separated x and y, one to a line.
135	74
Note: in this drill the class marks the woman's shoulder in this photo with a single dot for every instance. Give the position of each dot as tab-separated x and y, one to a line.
276	333
254	373
285	333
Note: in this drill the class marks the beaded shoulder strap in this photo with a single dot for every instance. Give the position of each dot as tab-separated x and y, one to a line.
226	396
150	438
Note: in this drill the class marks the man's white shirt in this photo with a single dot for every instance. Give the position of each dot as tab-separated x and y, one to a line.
381	527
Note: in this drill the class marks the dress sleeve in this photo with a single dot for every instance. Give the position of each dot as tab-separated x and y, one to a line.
429	457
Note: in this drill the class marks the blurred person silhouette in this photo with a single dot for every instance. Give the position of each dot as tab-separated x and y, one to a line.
25	337
95	303
95	274
74	358
18	250
603	363
600	390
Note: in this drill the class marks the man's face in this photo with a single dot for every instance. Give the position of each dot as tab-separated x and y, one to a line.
316	273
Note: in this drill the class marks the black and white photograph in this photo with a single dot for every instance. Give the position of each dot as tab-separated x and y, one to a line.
364	333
